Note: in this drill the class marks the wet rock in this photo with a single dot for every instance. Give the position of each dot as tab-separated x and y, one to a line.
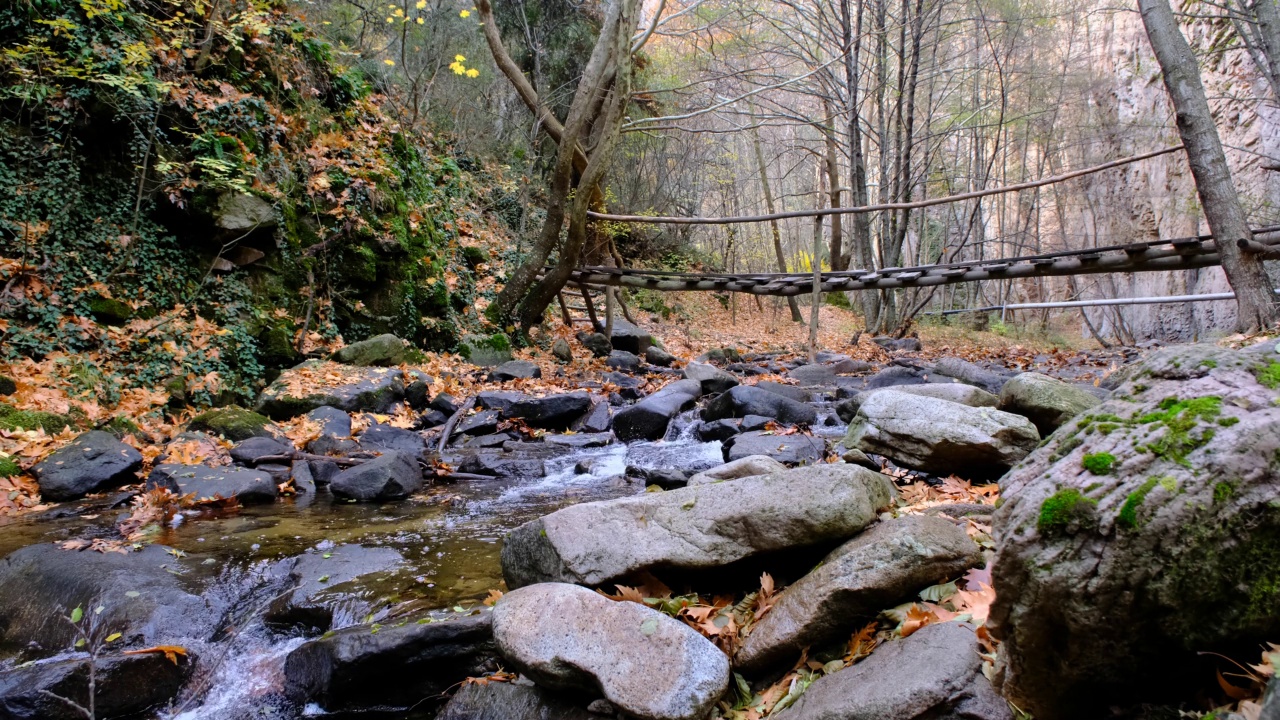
323	471
125	685
713	379
718	430
967	372
481	423
384	438
657	356
623	360
1045	401
894	376
310	603
814	375
517	370
666	478
629	338
142	599
93	462
304	481
245	486
747	400
553	412
597	420
581	440
326	383
1158	509
794	449
598	345
798	394
503	464
487	441
444	403
499	400
391	476
703	526
934	673
749	466
647	664
279	473
514	701
431	419
852	367
883	567
561	351
252	451
754	422
383	350
955	392
395	667
234	423
649	418
940	436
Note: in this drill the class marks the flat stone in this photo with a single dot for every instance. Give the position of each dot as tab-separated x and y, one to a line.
883	567
555	412
481	423
798	394
316	383
517	370
310	602
499	400
391	476
383	438
704	526
713	379
814	375
747	400
245	486
93	462
646	664
794	449
581	440
749	466
649	418
503	464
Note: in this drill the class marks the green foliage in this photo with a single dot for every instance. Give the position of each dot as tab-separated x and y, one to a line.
1098	463
9	467
1066	508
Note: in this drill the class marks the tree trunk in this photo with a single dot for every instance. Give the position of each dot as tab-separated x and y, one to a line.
1255	299
773	224
860	224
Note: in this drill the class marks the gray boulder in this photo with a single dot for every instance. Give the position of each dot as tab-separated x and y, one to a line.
955	392
629	338
749	466
1141	534
597	344
385	350
649	418
517	370
967	372
512	701
895	376
718	430
242	211
796	449
884	566
623	360
798	394
814	375
94	461
933	674
206	483
483	351
596	420
556	412
391	476
703	526
713	379
314	579
657	356
648	665
940	436
1045	401
385	438
343	387
561	351
498	399
393	667
258	449
746	400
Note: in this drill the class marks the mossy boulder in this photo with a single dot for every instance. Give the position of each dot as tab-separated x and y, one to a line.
483	351
1142	533
12	418
383	350
317	383
1045	401
109	311
7	385
234	423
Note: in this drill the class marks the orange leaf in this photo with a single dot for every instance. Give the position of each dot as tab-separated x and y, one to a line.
170	651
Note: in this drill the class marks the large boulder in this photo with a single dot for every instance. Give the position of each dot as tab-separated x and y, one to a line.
704	526
814	374
316	383
390	667
391	476
1045	401
242	211
798	394
512	701
940	436
1141	534
880	568
967	372
794	449
519	370
554	412
629	338
314	580
934	674
384	438
384	350
214	483
233	423
747	400
955	392
649	418
92	462
124	686
713	379
648	665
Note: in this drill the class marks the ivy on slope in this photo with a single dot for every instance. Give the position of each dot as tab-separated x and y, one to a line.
125	124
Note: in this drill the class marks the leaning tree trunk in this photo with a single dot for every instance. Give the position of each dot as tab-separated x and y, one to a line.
1255	299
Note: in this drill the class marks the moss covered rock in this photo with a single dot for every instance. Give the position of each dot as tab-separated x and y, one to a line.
382	350
485	351
1141	533
7	385
12	418
233	423
109	311
9	467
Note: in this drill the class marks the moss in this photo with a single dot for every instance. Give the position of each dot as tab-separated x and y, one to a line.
1223	492
12	418
1210	363
1180	417
108	311
121	426
1107	428
7	385
1065	508
1128	517
233	423
1269	376
8	467
1099	463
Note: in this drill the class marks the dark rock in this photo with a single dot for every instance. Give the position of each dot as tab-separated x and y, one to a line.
395	667
556	412
512	701
747	400
935	673
279	473
645	663
666	478
482	423
754	422
717	430
445	403
7	385
629	338
713	379
788	391
418	393
597	420
649	418
430	419
304	481
623	360
561	351
883	567
384	438
233	423
110	311
250	452
597	344
93	462
788	449
332	421
368	389
310	602
246	486
697	527
503	464
967	372
517	370
629	386
814	375
324	471
581	440
124	685
657	356
498	400
487	441
383	350
391	476
894	376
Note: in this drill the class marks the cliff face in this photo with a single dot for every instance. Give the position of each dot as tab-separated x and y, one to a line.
1128	106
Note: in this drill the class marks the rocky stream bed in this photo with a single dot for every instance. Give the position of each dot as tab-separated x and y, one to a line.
449	568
